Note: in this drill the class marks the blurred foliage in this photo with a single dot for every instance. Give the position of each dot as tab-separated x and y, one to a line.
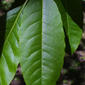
7	4
10	4
73	72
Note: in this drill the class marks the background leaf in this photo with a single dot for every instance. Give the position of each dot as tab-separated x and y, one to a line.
10	54
73	31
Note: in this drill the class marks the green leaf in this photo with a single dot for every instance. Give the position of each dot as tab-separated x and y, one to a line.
73	31
10	54
11	16
36	40
42	43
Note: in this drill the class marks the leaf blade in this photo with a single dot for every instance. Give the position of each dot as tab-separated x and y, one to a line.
9	58
70	28
11	16
40	72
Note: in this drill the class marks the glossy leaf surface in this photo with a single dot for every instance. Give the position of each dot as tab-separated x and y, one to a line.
10	54
11	16
34	40
42	37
